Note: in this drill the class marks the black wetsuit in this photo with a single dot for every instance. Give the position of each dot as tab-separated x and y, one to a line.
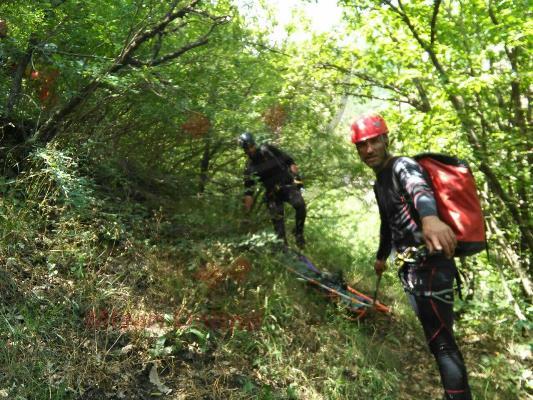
404	197
271	166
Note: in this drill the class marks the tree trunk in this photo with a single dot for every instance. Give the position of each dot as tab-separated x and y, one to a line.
16	86
512	259
204	165
48	130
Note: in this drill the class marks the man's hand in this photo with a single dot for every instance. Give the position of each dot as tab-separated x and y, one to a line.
438	236
3	29
380	266
298	181
245	224
248	202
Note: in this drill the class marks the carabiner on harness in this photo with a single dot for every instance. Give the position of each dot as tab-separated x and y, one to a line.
416	256
445	295
411	255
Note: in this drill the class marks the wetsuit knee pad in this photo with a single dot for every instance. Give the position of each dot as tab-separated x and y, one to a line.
298	202
453	373
276	209
444	344
458	396
299	205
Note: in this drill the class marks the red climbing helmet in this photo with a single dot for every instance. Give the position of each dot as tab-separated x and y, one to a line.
367	127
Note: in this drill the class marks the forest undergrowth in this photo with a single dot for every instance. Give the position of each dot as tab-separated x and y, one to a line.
129	291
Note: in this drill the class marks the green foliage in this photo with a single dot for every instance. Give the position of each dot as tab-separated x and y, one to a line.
457	71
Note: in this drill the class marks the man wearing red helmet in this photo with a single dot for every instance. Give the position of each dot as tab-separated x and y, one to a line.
409	220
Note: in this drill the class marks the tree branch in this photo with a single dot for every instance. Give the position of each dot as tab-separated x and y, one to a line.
388	99
142	37
511	258
48	130
422	105
175	54
524	226
521	120
266	47
403	15
364	77
491	14
15	91
436	5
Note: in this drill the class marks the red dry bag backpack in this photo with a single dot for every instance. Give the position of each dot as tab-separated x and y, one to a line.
457	200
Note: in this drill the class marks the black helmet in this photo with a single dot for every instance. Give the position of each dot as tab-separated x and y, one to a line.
246	140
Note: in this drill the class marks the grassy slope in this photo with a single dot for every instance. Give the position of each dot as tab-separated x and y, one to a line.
99	297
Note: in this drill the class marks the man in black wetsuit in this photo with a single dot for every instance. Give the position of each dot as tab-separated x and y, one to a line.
409	219
278	173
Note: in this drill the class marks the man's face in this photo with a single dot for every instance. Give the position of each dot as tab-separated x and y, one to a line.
373	152
250	150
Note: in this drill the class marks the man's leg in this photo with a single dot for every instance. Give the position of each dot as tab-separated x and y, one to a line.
277	215
436	317
295	199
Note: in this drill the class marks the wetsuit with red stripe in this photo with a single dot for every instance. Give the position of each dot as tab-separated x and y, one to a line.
404	197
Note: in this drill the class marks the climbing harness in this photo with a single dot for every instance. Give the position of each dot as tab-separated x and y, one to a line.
416	256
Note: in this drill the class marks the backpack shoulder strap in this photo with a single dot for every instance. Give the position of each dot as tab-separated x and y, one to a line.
266	151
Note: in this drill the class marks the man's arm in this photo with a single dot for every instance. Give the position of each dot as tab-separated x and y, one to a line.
437	235
249	183
385	241
248	202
